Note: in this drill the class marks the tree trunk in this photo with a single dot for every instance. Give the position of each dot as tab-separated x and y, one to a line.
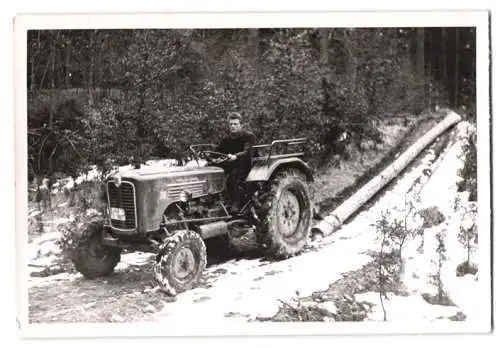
52	80
324	34
352	65
67	64
444	58
140	133
253	43
457	61
90	81
254	47
381	276
421	52
333	221
98	77
421	66
33	58
444	65
32	73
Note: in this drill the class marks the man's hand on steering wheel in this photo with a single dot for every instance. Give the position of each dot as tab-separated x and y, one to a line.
216	157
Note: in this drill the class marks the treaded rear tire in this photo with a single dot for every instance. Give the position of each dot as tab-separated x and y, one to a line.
271	234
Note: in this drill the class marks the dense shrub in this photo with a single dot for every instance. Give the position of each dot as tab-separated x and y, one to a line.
168	89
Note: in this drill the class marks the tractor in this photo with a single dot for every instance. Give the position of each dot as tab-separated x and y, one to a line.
174	211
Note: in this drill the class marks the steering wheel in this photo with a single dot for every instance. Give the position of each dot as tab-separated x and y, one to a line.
214	156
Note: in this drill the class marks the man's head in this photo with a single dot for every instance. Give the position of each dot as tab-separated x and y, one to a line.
234	120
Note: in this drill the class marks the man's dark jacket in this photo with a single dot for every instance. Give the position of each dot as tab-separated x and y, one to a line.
238	144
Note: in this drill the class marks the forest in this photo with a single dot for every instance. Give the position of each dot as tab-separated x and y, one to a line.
113	97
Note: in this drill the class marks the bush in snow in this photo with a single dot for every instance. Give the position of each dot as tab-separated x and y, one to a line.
440	298
431	216
392	234
441	250
468	237
469	171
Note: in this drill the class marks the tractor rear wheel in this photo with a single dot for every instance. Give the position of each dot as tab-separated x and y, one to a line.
286	215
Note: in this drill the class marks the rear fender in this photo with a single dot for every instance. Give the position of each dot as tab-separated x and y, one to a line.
262	171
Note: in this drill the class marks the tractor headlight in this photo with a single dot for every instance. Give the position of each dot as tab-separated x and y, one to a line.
117	180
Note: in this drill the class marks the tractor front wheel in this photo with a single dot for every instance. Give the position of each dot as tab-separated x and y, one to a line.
180	262
92	258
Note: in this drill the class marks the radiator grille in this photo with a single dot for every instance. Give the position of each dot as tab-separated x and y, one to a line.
123	197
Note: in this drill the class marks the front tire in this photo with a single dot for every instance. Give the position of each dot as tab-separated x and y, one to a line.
180	262
92	258
286	215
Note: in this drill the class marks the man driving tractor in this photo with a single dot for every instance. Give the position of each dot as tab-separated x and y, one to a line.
174	211
238	145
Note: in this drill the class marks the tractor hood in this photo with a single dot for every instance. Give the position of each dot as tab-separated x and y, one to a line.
146	173
144	194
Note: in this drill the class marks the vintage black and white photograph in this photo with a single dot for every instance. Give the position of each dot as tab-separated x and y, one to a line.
212	176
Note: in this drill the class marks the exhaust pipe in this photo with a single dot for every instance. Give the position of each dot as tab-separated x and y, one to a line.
213	229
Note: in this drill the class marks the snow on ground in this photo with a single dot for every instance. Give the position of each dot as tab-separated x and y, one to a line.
37	264
421	260
133	259
441	191
246	290
405	309
251	288
51	280
242	290
43	246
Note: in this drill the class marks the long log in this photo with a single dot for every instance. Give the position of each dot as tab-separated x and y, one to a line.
336	218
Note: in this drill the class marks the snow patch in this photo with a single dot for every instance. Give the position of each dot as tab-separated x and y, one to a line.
405	309
44	245
133	259
42	262
247	289
420	255
44	281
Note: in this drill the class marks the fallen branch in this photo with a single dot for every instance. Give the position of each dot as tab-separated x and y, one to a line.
296	310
